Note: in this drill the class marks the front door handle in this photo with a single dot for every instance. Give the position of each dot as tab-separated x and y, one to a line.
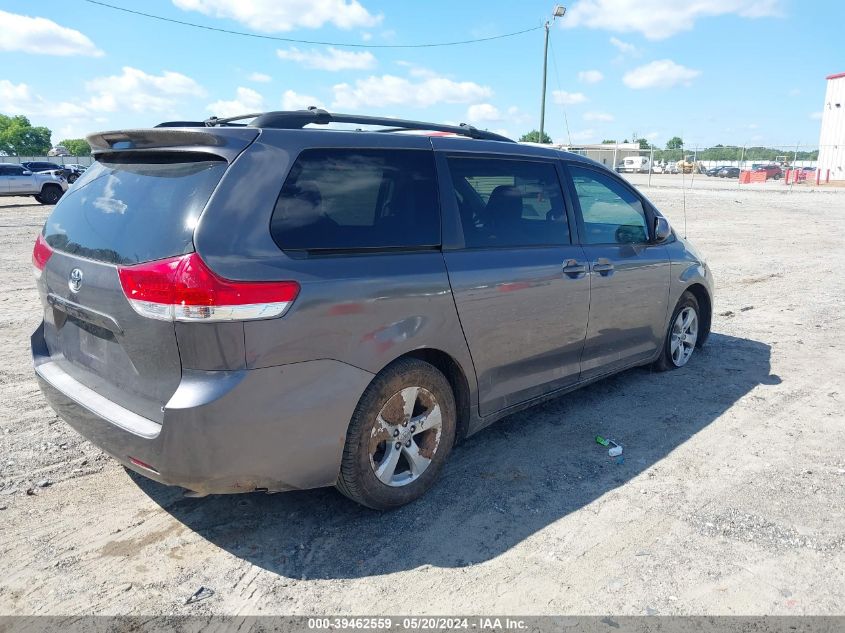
574	269
603	266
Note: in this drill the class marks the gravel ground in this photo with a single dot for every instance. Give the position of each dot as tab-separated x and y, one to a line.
728	501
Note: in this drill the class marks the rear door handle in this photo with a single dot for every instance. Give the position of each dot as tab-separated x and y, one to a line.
603	266
574	269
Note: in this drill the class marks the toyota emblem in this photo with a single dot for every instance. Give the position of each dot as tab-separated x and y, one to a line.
75	280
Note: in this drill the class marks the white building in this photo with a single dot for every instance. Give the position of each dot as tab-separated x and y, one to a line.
832	138
609	154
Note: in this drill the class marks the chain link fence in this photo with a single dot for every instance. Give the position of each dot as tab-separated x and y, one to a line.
85	161
718	166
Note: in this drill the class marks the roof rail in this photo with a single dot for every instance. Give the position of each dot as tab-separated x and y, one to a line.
297	119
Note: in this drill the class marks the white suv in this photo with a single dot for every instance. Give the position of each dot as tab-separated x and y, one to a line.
16	180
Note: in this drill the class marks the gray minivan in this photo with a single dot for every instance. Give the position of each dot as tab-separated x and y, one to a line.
232	308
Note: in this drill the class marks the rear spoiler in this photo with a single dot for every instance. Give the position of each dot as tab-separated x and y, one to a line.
226	143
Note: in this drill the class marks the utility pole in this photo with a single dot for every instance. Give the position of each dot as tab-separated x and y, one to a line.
558	12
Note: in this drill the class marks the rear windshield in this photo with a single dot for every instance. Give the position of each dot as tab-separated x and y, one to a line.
130	210
347	199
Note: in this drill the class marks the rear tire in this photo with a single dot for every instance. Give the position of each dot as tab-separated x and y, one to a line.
682	335
409	405
50	194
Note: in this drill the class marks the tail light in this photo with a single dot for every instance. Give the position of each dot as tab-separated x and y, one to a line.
41	254
185	289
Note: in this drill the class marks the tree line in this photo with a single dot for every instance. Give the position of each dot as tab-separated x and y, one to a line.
18	137
675	150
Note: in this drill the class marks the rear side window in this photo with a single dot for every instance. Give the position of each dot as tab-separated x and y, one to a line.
346	199
135	209
509	203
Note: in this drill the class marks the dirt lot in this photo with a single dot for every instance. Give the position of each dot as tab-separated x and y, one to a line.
729	499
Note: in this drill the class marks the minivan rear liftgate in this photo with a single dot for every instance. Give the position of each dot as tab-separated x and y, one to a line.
109	263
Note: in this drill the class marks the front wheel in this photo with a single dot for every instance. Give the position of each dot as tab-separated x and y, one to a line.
399	437
682	336
50	194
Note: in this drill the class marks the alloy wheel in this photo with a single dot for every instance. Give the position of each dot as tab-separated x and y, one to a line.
405	436
684	336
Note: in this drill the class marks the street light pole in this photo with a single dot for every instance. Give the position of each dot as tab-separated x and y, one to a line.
558	12
543	96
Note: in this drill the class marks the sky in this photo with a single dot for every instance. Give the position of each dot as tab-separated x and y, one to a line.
735	72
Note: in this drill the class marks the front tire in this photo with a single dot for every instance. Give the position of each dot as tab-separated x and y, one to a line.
50	194
682	335
399	437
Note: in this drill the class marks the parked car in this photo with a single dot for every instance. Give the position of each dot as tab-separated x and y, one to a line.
729	172
803	173
665	168
714	171
58	150
65	171
311	324
16	180
772	171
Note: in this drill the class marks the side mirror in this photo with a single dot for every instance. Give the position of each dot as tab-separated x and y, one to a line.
662	230
26	172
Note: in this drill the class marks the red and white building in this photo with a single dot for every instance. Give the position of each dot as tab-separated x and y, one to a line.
832	138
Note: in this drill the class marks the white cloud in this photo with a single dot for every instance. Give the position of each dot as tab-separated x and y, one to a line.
518	116
561	97
246	101
657	21
271	16
483	112
794	92
389	90
366	36
138	91
598	116
486	114
19	99
624	47
590	76
294	101
260	78
817	116
41	36
333	59
652	135
583	136
663	73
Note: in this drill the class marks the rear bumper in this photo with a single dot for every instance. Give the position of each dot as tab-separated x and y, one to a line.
278	428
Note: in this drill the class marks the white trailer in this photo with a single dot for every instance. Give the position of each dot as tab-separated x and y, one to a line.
636	164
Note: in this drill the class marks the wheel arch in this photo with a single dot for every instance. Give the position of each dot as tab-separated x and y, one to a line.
457	378
49	185
705	308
